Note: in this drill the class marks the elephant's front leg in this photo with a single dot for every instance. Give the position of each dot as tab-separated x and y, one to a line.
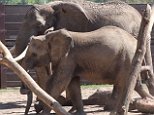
43	74
60	79
75	95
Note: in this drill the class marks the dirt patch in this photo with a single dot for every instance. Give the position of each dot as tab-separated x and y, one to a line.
13	103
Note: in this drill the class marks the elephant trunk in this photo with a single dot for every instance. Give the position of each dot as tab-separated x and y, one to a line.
12	51
22	41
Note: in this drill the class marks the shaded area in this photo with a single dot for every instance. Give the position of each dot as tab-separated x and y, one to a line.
13	103
10	108
10	105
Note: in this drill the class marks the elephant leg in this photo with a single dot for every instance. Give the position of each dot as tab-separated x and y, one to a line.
119	85
140	89
43	75
75	95
60	80
111	103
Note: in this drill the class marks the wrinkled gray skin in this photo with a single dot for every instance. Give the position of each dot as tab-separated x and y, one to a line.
74	55
84	16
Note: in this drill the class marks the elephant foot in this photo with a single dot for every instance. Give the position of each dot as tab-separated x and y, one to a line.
46	111
63	101
110	105
38	106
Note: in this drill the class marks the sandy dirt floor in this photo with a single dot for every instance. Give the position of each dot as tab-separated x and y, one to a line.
13	103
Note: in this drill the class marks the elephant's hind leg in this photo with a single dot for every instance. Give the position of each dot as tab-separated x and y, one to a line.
110	105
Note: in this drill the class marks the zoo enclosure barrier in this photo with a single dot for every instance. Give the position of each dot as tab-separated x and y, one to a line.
11	17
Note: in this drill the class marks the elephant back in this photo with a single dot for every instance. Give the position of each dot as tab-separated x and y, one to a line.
95	15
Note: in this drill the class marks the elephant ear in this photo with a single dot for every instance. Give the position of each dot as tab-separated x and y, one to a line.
59	44
71	16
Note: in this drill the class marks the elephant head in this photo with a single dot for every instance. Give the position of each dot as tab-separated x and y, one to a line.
40	18
36	21
51	47
37	50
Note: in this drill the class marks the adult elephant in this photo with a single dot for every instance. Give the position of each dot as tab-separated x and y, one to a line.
101	56
82	17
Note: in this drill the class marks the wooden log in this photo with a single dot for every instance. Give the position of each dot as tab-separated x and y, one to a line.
102	97
144	105
144	33
7	59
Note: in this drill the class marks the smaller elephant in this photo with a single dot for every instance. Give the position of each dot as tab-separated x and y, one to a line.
101	56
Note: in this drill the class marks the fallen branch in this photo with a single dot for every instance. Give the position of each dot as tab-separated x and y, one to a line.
102	97
7	59
144	105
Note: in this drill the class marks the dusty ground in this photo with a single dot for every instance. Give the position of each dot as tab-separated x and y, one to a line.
13	103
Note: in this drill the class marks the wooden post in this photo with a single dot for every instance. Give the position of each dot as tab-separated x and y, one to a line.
7	59
2	38
144	34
